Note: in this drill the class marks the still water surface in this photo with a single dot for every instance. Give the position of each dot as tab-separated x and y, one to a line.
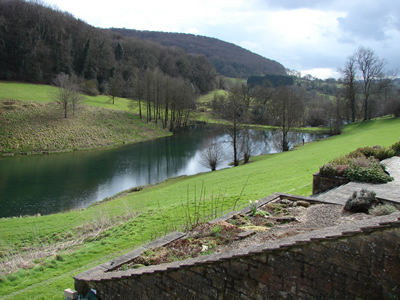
60	182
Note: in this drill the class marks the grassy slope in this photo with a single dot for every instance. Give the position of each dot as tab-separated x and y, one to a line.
34	126
161	204
288	172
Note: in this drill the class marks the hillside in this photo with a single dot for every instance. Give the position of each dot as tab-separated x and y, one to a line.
123	224
38	42
228	59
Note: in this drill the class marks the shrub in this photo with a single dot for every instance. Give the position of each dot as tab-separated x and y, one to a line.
361	202
328	169
396	148
376	151
362	162
356	173
382	210
341	160
89	87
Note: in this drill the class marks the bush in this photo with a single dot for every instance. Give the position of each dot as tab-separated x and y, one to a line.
382	210
328	169
369	170
341	160
89	87
362	164
396	148
332	169
361	202
376	151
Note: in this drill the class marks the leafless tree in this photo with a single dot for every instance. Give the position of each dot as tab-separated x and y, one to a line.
246	145
212	154
235	109
115	86
67	92
373	78
349	73
288	109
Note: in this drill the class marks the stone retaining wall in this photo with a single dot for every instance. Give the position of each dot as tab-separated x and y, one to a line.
323	183
350	261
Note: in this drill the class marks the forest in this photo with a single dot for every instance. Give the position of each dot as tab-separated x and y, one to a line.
228	59
38	42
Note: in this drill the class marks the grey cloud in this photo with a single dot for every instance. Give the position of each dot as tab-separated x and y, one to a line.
370	21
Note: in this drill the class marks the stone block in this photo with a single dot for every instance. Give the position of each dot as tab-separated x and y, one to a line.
70	294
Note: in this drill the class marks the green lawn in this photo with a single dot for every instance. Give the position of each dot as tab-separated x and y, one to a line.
160	209
45	93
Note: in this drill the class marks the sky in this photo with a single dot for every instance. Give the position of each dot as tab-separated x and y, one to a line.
311	36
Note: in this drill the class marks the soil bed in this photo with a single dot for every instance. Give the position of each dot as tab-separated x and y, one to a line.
275	220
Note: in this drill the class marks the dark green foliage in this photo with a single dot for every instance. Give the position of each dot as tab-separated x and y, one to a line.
272	80
361	202
372	174
396	148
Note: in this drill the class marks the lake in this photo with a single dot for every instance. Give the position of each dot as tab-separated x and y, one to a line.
47	184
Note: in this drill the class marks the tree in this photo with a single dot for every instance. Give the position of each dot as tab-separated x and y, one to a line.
212	154
235	109
67	93
349	73
287	108
372	75
246	145
114	88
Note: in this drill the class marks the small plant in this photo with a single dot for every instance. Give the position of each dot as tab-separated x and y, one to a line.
361	202
382	210
262	213
216	230
253	206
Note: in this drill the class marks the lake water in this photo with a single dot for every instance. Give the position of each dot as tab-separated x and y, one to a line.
54	183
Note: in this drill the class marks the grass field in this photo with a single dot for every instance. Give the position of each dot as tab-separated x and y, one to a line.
78	240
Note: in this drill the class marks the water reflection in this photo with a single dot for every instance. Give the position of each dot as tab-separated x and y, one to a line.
60	182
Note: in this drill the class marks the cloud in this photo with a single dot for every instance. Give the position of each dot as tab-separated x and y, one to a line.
371	21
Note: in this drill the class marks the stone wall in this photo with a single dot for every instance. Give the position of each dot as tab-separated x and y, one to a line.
360	260
325	183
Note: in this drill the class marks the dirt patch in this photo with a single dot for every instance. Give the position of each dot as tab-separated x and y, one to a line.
273	221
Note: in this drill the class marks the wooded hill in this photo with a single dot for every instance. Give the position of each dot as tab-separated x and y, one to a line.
38	42
228	59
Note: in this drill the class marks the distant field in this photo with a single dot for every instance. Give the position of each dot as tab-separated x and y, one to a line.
161	208
45	93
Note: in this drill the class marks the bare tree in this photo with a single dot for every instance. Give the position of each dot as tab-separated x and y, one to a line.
246	146
288	109
212	154
349	73
67	93
114	87
373	78
235	109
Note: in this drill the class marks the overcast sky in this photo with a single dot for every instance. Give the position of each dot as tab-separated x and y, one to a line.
311	36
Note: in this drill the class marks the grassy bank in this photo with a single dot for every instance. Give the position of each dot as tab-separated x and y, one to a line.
31	127
31	122
81	239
